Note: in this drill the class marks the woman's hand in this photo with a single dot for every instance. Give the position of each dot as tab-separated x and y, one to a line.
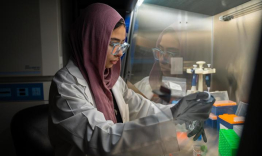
193	107
197	129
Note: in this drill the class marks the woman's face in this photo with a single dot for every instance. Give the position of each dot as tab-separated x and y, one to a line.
171	44
118	36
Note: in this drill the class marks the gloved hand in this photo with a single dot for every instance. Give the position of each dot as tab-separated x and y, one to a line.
193	107
197	129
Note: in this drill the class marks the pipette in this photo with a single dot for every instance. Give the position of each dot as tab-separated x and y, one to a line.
194	78
208	79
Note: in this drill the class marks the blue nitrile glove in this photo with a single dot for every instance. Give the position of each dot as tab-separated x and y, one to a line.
197	129
193	107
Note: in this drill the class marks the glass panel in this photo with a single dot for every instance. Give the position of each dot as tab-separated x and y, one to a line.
168	42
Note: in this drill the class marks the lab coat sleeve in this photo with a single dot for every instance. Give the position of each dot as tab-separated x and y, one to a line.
140	106
74	119
144	86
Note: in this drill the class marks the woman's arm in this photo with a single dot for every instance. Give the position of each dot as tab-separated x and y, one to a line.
131	86
74	119
138	105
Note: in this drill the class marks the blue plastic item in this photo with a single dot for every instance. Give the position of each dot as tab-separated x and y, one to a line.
208	79
224	110
199	138
21	92
211	123
194	79
225	124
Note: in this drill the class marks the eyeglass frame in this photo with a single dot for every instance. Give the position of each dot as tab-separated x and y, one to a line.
121	45
164	52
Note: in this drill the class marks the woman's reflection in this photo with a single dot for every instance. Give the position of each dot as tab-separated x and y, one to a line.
167	47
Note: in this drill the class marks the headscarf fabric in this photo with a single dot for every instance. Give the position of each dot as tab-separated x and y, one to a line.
90	37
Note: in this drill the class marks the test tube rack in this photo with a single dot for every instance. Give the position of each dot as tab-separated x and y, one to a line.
200	71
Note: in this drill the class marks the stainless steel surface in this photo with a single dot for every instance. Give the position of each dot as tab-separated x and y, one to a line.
20	36
31	40
192	30
207	7
125	68
243	11
230	47
235	47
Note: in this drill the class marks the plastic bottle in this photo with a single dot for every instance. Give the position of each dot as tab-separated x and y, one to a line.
199	147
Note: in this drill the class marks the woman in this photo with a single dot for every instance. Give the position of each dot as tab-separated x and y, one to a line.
92	111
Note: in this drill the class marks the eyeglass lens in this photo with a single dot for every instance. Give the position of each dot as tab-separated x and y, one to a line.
159	53
118	48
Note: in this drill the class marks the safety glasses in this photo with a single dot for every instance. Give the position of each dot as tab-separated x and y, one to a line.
164	55
117	47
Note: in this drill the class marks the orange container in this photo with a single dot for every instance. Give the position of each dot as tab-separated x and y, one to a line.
224	103
212	116
230	118
181	135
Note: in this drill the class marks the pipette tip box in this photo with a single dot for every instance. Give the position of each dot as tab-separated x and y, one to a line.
224	107
211	121
228	142
227	121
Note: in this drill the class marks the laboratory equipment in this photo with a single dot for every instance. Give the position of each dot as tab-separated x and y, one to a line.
171	88
238	129
226	121
224	107
199	150
211	121
164	93
200	71
241	109
177	85
208	79
228	142
220	95
35	48
239	118
199	147
194	79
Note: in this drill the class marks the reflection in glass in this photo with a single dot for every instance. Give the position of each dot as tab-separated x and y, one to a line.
167	46
162	34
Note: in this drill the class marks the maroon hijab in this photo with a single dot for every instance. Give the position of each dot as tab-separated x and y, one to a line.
90	37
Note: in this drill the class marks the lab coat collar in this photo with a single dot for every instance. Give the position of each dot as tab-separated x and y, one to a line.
73	69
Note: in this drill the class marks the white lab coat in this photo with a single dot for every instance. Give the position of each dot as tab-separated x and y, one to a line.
77	127
144	86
